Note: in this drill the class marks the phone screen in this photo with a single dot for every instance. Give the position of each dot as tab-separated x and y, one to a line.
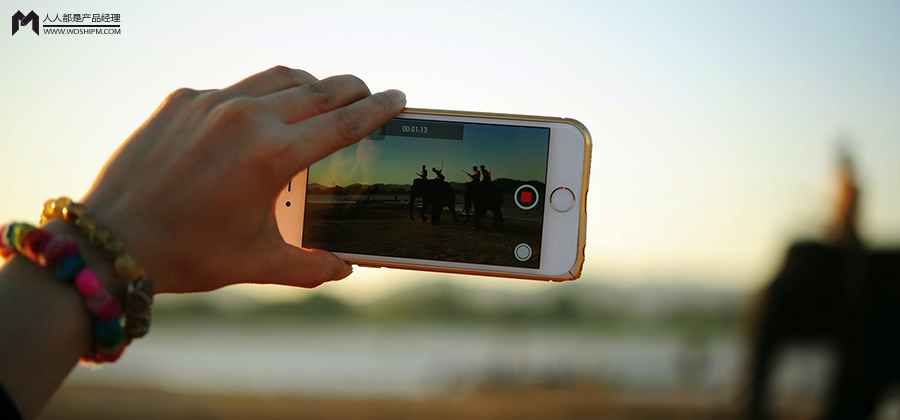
433	190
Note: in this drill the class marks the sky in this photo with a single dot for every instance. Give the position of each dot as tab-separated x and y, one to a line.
715	124
518	153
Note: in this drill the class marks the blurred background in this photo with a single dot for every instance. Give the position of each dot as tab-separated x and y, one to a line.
723	133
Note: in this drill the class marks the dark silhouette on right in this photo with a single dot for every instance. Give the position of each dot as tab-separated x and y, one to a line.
436	194
837	292
484	196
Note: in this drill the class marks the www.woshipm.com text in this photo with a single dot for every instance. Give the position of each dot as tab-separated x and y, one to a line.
82	31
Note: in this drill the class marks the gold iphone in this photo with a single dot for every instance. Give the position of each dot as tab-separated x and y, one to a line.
450	191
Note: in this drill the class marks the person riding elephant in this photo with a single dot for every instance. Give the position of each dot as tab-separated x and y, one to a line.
485	196
439	175
486	175
476	175
436	194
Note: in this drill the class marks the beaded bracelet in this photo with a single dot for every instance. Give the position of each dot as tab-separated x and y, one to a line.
139	296
64	256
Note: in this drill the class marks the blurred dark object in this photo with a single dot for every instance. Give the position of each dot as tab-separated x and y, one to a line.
835	292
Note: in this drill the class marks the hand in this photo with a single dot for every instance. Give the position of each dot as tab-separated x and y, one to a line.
191	193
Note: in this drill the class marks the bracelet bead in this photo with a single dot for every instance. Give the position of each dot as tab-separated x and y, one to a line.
69	266
9	236
59	205
125	265
35	241
47	210
112	310
19	233
56	248
108	333
87	283
104	306
99	236
73	211
113	248
108	354
85	224
137	308
71	248
5	250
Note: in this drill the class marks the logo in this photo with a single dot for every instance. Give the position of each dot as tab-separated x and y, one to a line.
19	19
69	23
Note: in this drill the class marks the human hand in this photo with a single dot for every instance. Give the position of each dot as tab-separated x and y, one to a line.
191	193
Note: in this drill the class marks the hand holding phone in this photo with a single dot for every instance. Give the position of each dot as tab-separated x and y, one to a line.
190	193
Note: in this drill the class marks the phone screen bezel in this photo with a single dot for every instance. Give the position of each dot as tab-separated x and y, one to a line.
562	233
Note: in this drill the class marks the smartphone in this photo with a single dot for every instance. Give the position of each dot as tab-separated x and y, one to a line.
450	191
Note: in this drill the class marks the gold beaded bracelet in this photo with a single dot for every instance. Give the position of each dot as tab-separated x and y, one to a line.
139	296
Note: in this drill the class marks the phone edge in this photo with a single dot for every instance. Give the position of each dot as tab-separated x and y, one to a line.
575	272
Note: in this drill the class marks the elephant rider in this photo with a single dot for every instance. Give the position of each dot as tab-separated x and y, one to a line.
475	176
424	173
487	175
440	176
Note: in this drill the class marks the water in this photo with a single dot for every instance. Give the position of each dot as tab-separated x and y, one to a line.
408	361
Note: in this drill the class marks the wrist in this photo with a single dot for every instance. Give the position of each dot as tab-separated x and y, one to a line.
134	236
123	272
94	258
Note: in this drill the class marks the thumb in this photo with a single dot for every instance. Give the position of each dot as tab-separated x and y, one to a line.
307	268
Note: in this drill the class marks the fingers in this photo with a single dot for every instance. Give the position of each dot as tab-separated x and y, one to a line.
269	81
302	102
325	134
306	267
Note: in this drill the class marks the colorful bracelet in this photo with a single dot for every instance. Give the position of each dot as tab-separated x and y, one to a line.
64	256
139	297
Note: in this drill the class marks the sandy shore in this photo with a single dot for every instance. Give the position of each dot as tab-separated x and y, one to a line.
385	228
100	403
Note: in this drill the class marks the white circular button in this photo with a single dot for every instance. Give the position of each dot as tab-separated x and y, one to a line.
523	252
562	199
526	197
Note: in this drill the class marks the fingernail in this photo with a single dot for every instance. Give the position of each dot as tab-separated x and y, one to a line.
347	271
398	96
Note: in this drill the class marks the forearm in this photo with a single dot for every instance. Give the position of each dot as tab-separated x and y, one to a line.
45	325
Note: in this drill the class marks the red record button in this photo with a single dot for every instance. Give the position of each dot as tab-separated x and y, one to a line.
527	197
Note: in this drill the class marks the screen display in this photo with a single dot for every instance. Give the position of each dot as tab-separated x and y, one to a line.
433	190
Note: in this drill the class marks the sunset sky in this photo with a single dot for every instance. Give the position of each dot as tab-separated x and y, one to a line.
518	153
715	124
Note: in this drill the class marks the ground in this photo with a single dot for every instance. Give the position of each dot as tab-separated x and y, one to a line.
515	404
386	229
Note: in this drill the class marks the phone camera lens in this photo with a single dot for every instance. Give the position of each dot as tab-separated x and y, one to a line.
288	204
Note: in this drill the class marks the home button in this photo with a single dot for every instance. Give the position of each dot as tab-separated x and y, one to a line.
562	199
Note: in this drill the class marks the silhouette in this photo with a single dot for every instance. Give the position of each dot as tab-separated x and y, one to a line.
476	176
485	196
486	174
436	194
424	173
836	292
440	175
